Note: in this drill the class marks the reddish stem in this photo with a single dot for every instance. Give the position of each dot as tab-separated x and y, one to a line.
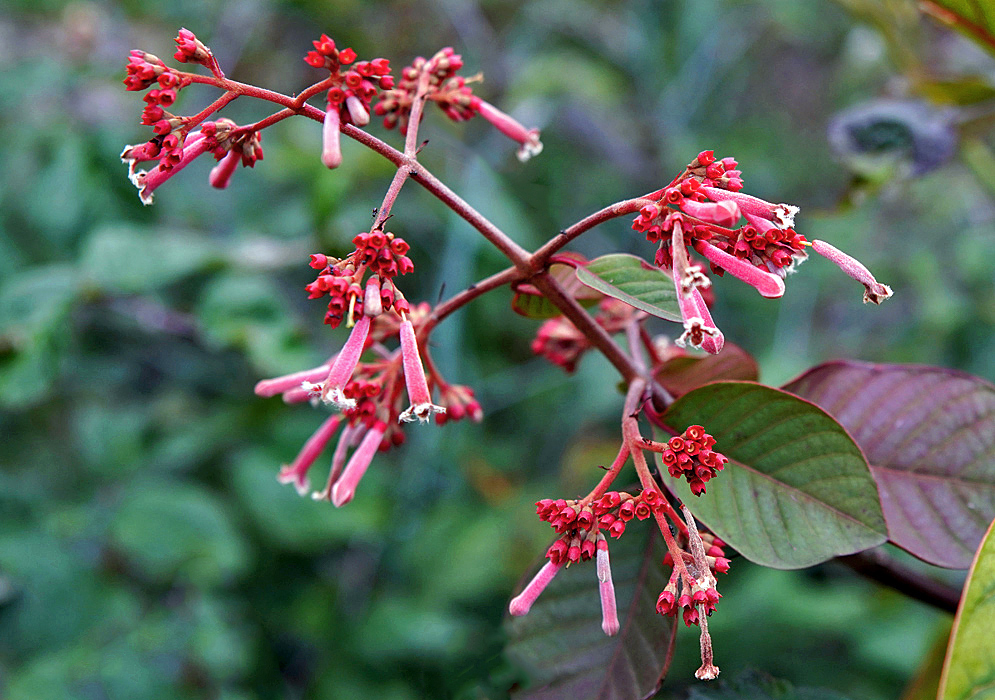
612	211
608	478
632	438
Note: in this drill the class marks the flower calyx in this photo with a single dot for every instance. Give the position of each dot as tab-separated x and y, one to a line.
690	456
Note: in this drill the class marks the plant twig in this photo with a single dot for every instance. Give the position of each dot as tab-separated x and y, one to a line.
878	566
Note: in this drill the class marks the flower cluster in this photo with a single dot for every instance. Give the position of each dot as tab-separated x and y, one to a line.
454	97
176	141
351	91
382	255
690	456
611	512
177	150
370	396
701	211
559	341
580	524
696	596
189	49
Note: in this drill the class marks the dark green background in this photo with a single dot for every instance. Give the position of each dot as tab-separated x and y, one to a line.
146	549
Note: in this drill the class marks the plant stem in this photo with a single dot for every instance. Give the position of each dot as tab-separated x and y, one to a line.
506	276
608	478
598	336
878	566
612	211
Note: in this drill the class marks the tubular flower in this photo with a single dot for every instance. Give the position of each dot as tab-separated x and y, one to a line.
452	93
700	211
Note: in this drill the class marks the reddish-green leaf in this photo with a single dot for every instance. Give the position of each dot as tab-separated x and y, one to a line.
561	647
969	669
529	301
929	435
634	281
796	490
679	375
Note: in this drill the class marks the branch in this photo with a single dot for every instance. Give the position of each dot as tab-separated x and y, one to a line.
612	211
506	276
878	566
598	336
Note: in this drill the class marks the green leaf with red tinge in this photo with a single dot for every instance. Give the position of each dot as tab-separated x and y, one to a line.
969	669
560	644
634	281
529	301
973	18
929	435
796	491
681	374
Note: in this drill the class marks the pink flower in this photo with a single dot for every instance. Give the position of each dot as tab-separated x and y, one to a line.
528	139
723	213
221	173
783	214
522	603
296	473
288	382
196	144
699	329
331	150
606	589
874	291
767	283
345	488
344	366
414	377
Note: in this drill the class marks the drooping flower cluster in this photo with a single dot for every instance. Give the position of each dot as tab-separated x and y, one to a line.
454	97
559	341
690	456
581	523
353	87
371	397
701	211
176	141
687	595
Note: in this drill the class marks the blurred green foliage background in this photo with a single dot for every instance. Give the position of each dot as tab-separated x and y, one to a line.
146	549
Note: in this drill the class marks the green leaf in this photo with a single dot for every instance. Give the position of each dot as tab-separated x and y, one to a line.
634	281
560	644
169	530
131	259
251	313
34	305
796	491
752	685
969	670
973	18
295	523
529	301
